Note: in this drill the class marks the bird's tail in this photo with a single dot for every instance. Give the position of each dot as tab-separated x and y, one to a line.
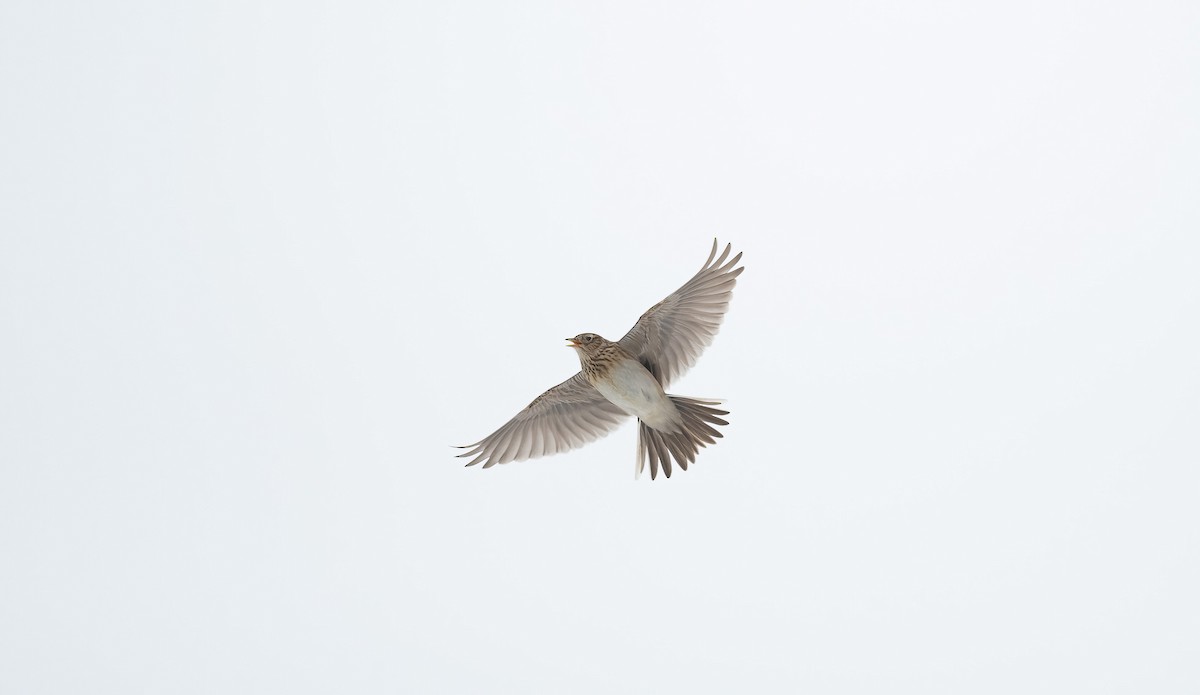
660	447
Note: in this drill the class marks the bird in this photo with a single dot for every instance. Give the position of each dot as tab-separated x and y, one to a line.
627	378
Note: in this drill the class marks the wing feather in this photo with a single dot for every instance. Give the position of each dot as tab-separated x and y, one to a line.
563	418
670	336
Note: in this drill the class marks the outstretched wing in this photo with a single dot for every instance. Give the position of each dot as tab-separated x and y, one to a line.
565	417
669	338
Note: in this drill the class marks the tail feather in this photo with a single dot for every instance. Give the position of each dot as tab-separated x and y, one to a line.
660	448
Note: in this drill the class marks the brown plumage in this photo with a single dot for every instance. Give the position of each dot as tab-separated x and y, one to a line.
598	356
627	378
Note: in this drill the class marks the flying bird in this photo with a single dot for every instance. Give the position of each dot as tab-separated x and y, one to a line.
627	377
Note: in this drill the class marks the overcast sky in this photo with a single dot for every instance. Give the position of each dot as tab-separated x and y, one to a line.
262	263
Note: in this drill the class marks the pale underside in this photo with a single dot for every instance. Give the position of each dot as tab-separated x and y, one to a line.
633	389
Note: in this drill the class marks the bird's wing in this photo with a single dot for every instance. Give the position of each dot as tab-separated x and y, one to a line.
670	336
565	417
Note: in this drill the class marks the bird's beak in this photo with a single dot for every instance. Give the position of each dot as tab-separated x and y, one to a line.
571	343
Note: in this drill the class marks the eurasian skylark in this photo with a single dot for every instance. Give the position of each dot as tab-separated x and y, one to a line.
627	378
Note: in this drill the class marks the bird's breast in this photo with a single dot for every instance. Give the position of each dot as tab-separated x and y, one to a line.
629	386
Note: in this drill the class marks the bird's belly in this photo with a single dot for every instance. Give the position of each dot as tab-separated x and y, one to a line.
633	389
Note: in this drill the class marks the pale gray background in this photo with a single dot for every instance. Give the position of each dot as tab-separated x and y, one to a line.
261	263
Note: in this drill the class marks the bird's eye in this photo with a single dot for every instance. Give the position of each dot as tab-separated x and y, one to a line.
587	338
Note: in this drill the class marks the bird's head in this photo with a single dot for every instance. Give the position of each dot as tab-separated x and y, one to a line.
586	344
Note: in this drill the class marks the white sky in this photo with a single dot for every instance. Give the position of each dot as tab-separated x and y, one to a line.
261	263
